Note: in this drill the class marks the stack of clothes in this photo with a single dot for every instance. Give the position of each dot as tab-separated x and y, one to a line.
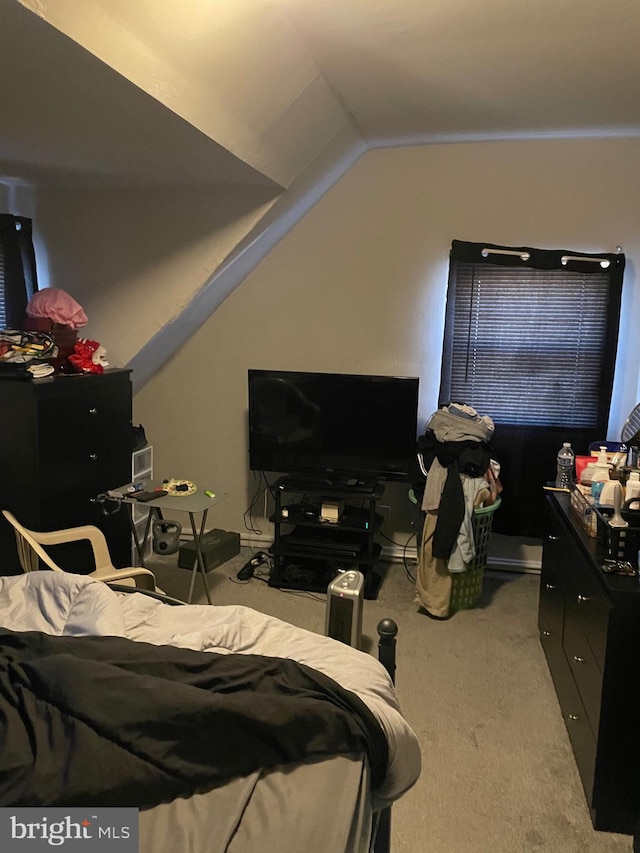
455	458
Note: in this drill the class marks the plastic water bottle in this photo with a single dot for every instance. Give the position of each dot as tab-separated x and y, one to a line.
564	469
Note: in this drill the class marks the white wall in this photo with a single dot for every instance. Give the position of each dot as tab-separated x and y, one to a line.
17	197
359	285
133	258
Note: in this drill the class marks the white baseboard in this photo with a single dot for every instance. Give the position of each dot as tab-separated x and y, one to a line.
251	540
397	554
394	553
499	564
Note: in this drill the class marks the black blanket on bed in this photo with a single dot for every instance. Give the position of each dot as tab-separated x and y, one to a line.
107	721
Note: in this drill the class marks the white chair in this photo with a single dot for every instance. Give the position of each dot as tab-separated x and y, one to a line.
32	555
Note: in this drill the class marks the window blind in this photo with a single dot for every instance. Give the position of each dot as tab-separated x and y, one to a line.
3	313
531	345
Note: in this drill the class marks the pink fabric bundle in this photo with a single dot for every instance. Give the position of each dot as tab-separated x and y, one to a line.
56	305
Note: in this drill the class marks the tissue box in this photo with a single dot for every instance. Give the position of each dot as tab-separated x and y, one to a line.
218	546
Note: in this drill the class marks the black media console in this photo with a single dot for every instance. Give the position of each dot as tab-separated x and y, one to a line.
307	551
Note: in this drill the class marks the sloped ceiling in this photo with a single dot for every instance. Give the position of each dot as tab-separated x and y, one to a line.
140	88
284	94
69	117
437	69
231	90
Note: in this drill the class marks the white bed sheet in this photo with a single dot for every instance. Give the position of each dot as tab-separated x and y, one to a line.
65	604
316	807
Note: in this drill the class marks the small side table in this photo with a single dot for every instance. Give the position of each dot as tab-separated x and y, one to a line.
191	504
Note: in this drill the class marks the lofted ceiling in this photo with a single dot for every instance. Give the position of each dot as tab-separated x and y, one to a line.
67	117
437	69
253	91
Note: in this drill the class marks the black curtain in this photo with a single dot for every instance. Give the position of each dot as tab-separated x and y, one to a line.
531	340
18	278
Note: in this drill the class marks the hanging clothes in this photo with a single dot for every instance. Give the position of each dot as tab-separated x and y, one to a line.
455	457
457	438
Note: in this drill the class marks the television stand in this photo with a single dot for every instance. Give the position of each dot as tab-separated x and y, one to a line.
351	485
308	552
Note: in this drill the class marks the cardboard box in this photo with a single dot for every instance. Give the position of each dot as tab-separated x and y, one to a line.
218	546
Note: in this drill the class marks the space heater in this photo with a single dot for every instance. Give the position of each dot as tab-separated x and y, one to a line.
345	597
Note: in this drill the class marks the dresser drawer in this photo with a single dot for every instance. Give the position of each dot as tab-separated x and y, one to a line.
83	432
68	438
551	617
575	718
552	591
589	606
80	475
585	670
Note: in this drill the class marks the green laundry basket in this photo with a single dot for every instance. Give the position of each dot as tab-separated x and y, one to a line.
466	587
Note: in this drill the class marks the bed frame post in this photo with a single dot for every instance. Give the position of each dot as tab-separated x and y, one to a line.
387	631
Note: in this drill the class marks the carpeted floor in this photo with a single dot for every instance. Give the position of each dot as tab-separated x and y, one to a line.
498	771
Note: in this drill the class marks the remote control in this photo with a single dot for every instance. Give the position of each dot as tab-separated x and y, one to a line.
149	496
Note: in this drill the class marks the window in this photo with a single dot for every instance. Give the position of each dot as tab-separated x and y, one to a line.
18	280
530	339
532	345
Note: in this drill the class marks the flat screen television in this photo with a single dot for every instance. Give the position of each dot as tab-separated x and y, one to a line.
332	426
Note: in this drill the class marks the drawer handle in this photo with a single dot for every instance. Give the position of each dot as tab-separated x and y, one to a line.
553	538
574	717
551	586
546	633
93	411
577	659
583	598
93	456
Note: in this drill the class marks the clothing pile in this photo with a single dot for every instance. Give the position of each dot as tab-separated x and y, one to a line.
455	459
24	352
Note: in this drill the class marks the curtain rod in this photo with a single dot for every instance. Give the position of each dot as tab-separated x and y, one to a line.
524	256
604	263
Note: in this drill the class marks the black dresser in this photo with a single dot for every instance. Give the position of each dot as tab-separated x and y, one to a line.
590	631
63	440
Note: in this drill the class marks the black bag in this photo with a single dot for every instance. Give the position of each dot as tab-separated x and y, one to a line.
139	437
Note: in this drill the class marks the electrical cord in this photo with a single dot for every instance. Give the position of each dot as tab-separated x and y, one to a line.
248	513
404	557
261	478
405	548
254	574
304	594
265	579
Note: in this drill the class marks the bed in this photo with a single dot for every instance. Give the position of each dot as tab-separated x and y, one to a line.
230	730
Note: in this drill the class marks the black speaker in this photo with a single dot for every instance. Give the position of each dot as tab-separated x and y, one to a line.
343	619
